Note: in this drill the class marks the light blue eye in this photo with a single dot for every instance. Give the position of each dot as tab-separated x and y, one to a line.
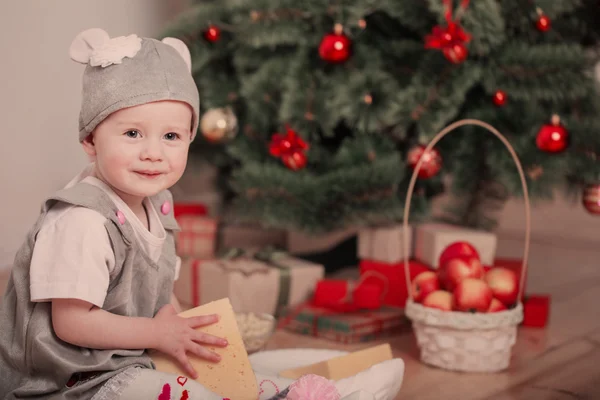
171	136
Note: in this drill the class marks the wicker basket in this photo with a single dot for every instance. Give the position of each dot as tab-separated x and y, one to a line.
461	341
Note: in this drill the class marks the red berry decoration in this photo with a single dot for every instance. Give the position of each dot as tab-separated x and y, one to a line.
295	160
456	53
499	98
212	34
543	23
591	199
432	161
335	47
459	249
553	137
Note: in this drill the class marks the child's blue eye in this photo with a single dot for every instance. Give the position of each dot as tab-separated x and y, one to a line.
132	134
171	136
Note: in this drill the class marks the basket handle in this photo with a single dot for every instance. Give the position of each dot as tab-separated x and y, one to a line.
411	186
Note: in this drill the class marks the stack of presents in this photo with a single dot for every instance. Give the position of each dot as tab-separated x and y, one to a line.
261	278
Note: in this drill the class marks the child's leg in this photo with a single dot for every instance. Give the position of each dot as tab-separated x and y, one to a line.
149	384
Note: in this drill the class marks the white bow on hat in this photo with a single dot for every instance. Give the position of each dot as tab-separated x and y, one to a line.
96	48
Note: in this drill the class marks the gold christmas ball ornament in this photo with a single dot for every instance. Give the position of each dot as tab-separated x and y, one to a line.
219	125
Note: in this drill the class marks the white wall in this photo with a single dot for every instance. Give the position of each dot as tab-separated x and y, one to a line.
561	222
40	94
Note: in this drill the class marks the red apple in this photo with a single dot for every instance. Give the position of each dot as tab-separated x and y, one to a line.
439	299
457	269
473	295
423	284
458	250
504	284
496	306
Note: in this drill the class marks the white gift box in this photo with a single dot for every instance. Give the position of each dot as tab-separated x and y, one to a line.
431	239
384	244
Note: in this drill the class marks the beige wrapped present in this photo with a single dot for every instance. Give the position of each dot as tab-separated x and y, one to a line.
197	237
252	285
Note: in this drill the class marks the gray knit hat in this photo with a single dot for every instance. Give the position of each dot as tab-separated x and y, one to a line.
127	71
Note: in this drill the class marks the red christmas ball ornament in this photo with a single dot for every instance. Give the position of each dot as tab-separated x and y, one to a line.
591	198
499	98
553	137
456	53
294	161
543	23
212	34
335	47
432	161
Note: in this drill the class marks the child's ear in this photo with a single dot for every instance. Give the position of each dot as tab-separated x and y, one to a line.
88	145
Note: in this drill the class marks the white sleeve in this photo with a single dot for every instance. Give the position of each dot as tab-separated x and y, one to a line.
72	257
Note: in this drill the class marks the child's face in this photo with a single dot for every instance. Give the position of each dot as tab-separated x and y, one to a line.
142	150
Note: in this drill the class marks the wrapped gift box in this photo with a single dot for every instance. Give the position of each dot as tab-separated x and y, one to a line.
395	291
197	237
354	327
384	243
536	311
431	239
251	285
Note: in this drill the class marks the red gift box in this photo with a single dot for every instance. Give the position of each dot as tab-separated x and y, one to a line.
197	209
197	237
397	292
536	310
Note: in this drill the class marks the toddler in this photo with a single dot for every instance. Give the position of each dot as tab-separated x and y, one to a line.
91	288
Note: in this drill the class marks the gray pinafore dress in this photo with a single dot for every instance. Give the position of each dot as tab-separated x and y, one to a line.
34	362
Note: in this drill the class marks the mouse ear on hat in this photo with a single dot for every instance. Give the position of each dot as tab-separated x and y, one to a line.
85	42
181	48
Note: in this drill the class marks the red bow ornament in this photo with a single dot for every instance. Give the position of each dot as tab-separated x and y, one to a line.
290	148
452	38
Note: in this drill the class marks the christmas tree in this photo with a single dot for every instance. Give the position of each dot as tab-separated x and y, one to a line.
315	112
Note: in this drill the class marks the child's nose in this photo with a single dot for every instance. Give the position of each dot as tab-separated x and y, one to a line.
152	151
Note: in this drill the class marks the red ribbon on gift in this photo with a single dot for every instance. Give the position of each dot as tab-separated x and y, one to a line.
358	295
452	33
196	282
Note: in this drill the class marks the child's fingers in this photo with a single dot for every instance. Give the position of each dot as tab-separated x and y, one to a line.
205	338
202	320
203	352
187	366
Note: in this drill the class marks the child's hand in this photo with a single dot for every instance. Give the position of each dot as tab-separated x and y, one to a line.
176	336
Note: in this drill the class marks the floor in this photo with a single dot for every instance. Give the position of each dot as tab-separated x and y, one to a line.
558	362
